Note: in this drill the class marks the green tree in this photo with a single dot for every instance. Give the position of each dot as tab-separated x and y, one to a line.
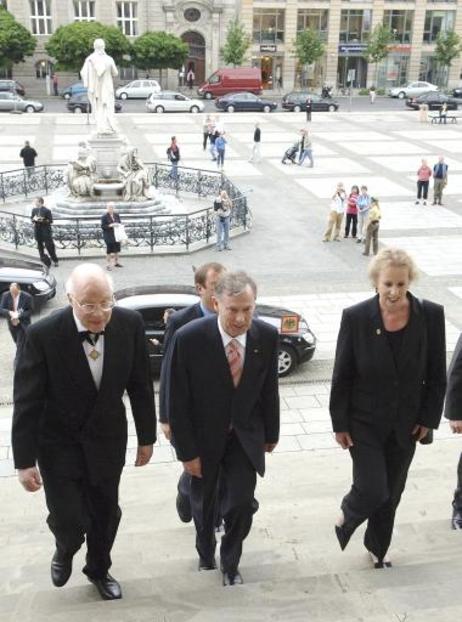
308	47
16	42
71	44
159	50
378	46
448	47
236	45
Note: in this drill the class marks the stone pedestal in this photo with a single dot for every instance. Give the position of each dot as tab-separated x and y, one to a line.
107	151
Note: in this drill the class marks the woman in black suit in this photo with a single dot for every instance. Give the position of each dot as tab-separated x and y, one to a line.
109	221
387	391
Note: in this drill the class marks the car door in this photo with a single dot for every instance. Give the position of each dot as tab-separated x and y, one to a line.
4	101
317	103
134	88
180	103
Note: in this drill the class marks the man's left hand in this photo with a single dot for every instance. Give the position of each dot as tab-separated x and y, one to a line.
269	447
419	432
143	455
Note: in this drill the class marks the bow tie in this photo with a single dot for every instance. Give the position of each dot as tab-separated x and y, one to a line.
92	338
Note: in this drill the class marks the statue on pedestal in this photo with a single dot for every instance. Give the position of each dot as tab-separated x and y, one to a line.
97	74
135	176
81	173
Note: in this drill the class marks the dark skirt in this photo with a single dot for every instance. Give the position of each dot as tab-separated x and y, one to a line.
112	247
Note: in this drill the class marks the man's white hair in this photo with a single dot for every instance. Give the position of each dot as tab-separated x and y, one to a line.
85	273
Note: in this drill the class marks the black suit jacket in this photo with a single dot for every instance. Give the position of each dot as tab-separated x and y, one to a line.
43	227
176	321
203	401
57	409
371	394
453	405
25	307
108	231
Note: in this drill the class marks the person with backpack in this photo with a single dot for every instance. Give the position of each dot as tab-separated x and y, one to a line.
173	154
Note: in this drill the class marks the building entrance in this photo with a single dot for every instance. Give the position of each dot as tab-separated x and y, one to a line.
352	71
196	56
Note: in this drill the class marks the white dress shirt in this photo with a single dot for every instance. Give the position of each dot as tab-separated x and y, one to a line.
96	365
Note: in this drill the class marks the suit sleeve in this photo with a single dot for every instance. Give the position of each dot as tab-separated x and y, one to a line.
140	390
270	396
435	381
179	397
164	370
4	311
30	381
453	407
342	377
27	309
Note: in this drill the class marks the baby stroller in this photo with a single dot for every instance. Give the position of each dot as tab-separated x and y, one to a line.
291	153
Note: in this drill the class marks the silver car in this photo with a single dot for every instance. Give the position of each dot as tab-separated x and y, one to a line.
171	101
413	89
11	101
138	89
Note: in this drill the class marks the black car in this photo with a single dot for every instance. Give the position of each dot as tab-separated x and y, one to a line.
297	342
79	103
434	101
30	277
13	86
244	102
296	102
457	92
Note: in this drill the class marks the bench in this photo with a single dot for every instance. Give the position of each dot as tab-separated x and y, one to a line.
436	118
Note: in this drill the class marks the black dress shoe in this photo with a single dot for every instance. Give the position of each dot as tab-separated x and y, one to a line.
231	577
342	537
183	508
61	568
108	587
206	565
456	521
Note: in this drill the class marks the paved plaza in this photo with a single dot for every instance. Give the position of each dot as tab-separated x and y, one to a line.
292	565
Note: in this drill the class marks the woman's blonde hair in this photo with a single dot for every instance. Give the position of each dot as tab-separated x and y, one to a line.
395	257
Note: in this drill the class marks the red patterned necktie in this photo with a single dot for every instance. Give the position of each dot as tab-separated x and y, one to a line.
233	353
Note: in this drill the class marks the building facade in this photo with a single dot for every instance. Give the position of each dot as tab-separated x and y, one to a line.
344	26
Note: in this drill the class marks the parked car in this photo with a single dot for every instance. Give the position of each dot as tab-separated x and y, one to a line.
232	80
30	277
297	342
73	89
413	89
245	102
13	86
434	101
296	102
11	101
457	92
138	89
80	103
171	101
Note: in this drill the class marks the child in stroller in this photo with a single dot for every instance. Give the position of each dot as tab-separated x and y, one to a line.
291	153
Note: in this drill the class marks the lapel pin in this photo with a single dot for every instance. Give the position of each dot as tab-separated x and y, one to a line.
378	331
255	351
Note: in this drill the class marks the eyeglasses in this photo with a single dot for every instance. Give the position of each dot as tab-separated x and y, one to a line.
88	309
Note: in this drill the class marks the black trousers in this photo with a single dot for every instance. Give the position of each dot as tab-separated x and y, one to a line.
79	508
422	186
45	240
205	139
351	221
379	477
239	481
457	503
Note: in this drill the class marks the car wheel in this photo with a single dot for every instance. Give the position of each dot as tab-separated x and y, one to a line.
194	109
331	108
287	360
266	108
159	109
208	95
123	96
401	95
78	110
230	109
30	109
297	109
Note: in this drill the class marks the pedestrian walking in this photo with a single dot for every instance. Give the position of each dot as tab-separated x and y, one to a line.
109	222
190	77
364	204
42	219
440	180
423	180
306	148
173	154
223	207
54	80
207	130
443	117
16	307
309	108
181	74
256	153
352	212
28	155
372	94
336	211
372	228
423	113
220	148
213	137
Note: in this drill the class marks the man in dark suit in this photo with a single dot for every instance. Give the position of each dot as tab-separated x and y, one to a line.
453	412
205	279
69	419
16	307
224	414
42	218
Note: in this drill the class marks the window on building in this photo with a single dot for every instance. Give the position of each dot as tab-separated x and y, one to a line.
436	22
400	24
355	25
84	10
268	25
127	18
314	19
40	17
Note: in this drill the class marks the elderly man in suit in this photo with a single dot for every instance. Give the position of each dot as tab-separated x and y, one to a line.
453	412
224	414
69	422
16	307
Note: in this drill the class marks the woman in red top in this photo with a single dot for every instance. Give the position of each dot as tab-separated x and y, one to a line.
352	212
423	179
